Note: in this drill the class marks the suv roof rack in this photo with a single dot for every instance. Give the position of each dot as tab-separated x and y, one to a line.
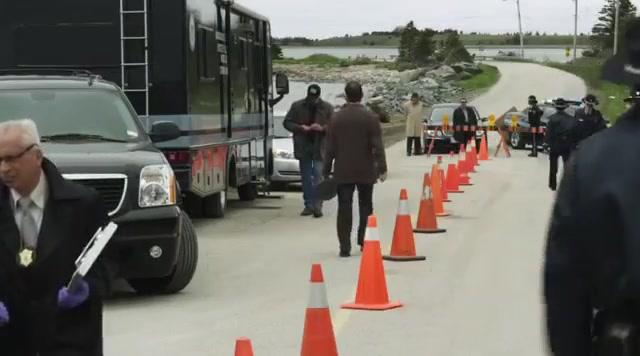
47	71
81	73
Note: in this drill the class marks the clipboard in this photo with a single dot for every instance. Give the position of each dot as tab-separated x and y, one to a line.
90	254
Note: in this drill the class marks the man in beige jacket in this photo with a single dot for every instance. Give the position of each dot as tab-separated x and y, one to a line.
414	112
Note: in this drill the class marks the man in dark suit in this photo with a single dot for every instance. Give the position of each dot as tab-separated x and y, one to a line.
590	119
354	142
45	223
464	116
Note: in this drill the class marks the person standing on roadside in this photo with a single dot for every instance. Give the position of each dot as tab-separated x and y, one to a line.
307	119
414	114
592	258
534	115
45	223
562	136
589	118
464	116
355	148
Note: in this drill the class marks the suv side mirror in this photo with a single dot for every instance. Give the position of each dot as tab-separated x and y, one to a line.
162	131
282	84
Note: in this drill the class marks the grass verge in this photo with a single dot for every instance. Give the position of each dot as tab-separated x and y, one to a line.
610	95
483	81
325	60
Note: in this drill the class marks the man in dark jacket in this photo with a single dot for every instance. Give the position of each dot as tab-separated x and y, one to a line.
45	223
592	264
464	116
354	143
589	118
534	115
562	134
307	119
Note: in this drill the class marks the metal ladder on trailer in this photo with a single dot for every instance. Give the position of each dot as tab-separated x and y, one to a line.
127	68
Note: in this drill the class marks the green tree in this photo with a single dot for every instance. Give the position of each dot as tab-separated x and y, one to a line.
603	30
454	50
408	37
423	46
276	52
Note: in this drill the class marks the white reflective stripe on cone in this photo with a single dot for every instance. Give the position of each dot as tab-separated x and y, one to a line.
426	193
371	234
318	297
403	207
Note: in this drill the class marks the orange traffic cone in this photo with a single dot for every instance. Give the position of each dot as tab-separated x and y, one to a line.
427	221
469	159
437	192
318	338
452	179
474	153
372	291
484	152
463	168
443	186
403	247
243	347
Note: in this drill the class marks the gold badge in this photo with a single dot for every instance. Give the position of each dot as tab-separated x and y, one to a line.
26	257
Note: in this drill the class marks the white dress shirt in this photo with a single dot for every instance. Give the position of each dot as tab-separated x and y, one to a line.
39	196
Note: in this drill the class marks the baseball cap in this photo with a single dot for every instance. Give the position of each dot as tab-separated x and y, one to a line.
313	90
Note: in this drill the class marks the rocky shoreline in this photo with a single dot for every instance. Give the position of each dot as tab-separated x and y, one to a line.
386	88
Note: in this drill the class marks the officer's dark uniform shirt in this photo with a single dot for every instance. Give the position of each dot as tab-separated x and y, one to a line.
590	123
592	258
535	114
562	132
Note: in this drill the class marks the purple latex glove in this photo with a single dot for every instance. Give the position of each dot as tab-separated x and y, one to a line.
68	300
4	315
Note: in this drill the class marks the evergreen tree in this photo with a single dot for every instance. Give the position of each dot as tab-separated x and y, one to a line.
408	37
276	51
454	49
424	46
603	31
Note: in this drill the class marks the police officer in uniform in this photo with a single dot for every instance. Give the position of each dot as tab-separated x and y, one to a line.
592	257
589	118
535	114
562	137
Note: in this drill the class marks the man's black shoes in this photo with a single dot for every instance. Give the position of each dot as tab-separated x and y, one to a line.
307	212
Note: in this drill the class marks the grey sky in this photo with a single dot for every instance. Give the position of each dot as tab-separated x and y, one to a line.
327	18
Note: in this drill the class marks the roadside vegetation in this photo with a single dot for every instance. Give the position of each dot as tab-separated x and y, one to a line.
483	81
392	39
589	66
610	95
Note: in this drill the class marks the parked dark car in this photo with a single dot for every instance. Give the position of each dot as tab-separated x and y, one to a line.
432	126
523	137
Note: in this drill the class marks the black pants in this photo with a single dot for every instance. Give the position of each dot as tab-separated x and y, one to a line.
345	212
553	166
534	143
414	141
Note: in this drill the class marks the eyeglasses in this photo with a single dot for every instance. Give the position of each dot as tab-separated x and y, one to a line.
13	158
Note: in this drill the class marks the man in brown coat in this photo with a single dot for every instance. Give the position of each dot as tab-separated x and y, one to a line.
354	142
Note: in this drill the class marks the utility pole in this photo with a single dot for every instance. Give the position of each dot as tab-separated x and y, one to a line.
615	27
520	27
575	32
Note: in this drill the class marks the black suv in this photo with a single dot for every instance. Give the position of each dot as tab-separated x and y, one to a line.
91	132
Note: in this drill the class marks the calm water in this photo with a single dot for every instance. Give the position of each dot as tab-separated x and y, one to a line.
538	54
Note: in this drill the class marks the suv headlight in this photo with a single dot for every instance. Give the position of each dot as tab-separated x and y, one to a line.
157	186
283	154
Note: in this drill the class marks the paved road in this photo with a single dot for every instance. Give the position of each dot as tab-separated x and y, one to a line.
476	294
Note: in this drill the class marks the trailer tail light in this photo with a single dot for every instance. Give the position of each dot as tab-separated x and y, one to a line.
178	157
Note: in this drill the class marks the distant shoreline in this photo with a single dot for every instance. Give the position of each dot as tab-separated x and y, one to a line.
467	46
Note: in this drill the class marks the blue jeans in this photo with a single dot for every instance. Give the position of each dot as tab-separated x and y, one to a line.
311	174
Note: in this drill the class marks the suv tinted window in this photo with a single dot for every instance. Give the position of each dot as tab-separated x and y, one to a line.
78	111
